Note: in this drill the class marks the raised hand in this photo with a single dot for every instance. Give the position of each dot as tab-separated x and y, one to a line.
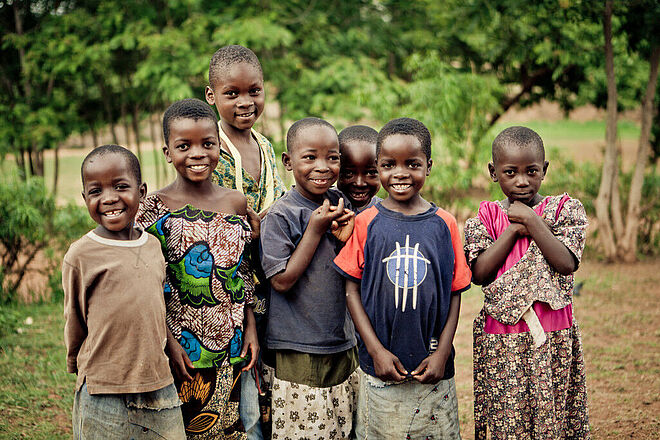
323	216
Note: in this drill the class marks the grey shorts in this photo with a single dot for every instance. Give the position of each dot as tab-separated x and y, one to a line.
406	410
153	415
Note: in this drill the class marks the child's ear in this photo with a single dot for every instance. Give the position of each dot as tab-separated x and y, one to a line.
166	152
428	166
286	161
209	95
143	190
545	168
491	171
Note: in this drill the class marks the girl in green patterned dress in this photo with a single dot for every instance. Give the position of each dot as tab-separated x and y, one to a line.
204	230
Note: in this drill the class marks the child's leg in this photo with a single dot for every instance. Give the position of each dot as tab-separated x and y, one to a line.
406	410
249	406
119	416
302	411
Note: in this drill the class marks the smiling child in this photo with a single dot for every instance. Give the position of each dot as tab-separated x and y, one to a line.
308	326
115	331
358	175
405	270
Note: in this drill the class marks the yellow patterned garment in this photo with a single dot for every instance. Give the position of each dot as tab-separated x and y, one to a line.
256	192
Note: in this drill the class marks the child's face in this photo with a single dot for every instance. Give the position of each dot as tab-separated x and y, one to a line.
314	161
193	148
402	167
238	95
519	171
358	177
112	195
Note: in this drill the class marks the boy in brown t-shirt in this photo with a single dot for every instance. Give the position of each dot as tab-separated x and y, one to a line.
115	331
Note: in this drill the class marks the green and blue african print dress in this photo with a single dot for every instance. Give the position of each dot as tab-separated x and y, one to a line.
207	286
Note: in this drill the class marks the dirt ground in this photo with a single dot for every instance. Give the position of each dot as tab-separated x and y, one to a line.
618	310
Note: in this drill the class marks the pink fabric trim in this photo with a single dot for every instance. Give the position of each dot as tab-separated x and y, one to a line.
495	219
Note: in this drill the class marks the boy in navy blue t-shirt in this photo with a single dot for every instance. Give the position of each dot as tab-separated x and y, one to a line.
405	269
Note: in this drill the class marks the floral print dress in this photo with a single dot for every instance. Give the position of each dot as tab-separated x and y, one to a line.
207	286
522	391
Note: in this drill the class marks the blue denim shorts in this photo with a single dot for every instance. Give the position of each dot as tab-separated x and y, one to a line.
153	415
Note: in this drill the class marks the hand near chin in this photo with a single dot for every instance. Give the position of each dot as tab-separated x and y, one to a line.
518	212
342	226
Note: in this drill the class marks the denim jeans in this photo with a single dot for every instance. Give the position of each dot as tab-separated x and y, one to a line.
408	409
249	406
154	415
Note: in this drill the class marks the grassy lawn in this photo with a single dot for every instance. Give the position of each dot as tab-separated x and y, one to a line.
618	311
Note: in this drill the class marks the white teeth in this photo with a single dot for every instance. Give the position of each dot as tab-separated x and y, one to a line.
114	213
197	167
400	187
246	115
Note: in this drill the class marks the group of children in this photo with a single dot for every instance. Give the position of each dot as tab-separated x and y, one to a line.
188	307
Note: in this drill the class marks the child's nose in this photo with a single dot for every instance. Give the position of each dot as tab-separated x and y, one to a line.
359	181
109	197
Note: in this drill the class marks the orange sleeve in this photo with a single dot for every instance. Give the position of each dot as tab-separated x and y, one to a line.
462	273
350	261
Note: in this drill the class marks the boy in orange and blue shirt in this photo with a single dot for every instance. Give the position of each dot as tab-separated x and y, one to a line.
405	269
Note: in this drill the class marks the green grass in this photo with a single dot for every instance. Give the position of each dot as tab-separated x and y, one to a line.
36	392
567	132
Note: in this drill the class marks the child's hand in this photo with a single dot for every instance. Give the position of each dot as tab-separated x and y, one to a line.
342	227
520	213
250	343
432	368
180	363
255	222
323	216
518	229
388	367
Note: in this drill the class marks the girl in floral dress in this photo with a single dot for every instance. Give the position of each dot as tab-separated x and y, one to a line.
529	377
204	232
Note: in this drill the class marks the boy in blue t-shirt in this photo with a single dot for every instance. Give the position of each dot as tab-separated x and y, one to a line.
309	329
405	269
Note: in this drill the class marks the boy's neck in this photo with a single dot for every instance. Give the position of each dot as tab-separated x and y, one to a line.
414	206
236	135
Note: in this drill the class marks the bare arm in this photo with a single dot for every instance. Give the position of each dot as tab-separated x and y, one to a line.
250	342
179	361
386	364
554	251
432	369
301	257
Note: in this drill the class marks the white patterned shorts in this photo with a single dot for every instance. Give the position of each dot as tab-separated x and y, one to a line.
305	412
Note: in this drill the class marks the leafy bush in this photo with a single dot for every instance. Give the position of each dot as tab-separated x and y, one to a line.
31	223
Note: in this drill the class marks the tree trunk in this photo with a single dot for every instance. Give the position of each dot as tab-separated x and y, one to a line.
31	160
609	173
156	150
95	135
39	163
20	162
123	115
166	168
629	244
136	130
108	111
56	170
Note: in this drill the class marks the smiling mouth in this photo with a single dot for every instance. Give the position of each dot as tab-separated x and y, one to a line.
114	213
198	167
359	195
320	182
400	186
246	115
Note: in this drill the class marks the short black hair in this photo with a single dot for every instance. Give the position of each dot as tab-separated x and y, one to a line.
407	126
518	137
104	150
189	108
301	124
227	56
360	133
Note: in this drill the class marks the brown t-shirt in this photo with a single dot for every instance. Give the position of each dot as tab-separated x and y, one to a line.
115	331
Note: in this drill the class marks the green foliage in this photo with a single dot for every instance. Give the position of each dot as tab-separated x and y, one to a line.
31	223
